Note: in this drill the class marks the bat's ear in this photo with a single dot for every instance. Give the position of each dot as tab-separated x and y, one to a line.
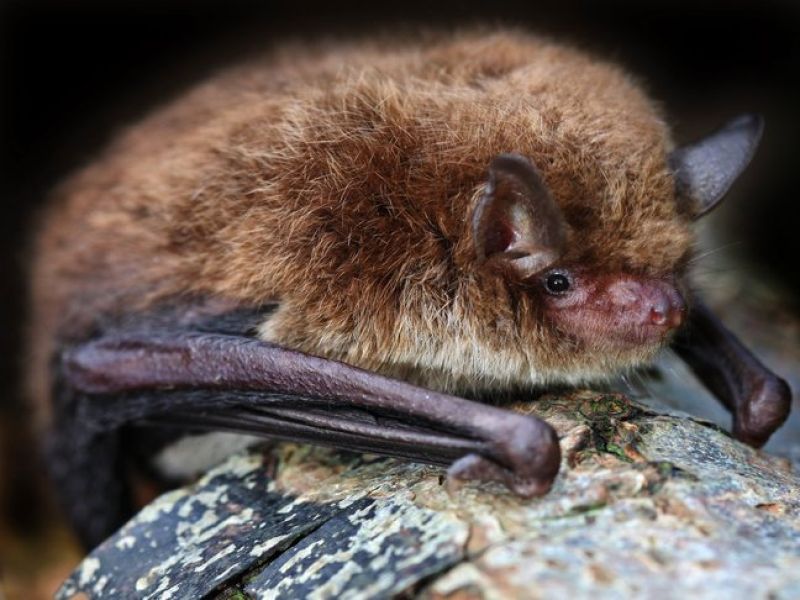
705	170
517	225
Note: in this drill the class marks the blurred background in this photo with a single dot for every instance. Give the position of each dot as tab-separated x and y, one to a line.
72	73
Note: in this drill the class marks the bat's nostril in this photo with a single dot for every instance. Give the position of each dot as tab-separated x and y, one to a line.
666	308
658	316
664	313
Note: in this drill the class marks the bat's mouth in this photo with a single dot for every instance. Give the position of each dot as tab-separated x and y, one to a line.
636	335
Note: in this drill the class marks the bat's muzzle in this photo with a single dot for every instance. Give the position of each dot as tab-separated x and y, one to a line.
648	303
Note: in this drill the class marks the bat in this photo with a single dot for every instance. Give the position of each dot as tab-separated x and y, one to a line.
356	244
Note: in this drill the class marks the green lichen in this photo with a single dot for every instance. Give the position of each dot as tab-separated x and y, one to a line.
233	594
617	451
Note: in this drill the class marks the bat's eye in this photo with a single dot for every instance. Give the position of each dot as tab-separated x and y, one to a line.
557	283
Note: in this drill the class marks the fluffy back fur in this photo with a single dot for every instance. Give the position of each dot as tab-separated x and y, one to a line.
340	182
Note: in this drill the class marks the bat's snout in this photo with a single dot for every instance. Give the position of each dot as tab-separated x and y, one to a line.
621	310
649	303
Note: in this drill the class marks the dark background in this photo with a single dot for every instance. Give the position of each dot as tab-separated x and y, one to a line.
71	72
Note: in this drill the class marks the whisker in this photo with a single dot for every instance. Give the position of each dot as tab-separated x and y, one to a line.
707	253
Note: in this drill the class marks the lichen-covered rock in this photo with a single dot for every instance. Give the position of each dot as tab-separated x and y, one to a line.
648	503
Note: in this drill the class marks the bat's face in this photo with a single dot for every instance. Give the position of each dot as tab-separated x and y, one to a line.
592	295
600	280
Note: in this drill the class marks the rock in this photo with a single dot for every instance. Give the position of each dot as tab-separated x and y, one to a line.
649	503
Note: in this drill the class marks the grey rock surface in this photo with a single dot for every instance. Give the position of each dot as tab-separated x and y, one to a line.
648	504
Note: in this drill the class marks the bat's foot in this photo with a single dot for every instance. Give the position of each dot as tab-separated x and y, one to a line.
530	457
763	410
758	399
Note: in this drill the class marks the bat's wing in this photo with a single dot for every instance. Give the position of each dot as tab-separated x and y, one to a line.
758	399
205	380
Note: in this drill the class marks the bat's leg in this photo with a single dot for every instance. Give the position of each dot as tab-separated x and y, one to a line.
212	381
758	399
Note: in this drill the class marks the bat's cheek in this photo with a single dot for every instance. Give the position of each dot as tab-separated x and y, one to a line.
627	313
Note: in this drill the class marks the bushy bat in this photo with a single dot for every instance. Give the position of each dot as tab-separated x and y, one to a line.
340	244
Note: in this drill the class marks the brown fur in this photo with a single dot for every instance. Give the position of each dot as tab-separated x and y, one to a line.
340	181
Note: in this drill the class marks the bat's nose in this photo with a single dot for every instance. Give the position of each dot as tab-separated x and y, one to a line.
667	310
621	310
649	301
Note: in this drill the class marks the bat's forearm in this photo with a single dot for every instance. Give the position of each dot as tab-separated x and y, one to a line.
131	364
207	381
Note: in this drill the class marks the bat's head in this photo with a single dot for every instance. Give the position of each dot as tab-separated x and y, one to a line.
597	293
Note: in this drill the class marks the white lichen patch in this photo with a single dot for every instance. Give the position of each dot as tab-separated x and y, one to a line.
301	555
260	549
87	570
126	542
210	497
208	530
229	549
163	504
98	587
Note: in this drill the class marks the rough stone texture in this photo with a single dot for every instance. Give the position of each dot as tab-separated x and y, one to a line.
650	503
647	503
